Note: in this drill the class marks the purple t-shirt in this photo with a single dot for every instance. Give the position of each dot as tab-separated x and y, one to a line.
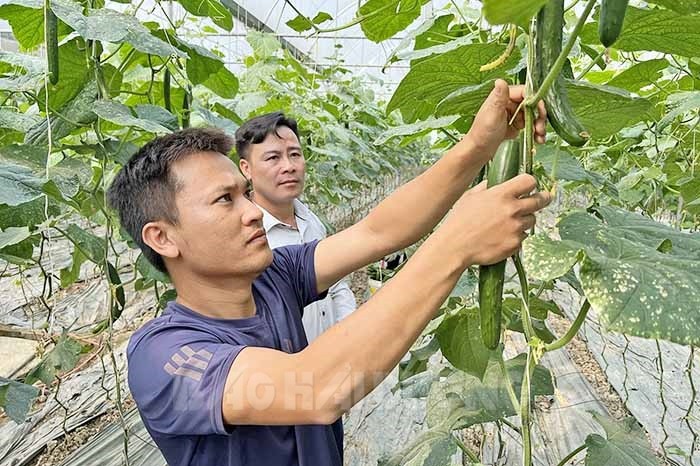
179	361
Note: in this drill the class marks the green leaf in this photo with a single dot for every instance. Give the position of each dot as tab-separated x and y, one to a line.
300	24
626	445
511	11
111	26
418	360
568	168
13	235
422	127
120	114
28	214
466	284
387	17
433	447
263	44
431	80
679	103
71	274
17	121
639	75
18	185
512	315
224	83
605	110
655	30
149	272
63	357
213	9
685	7
460	340
26	19
638	283
158	115
321	17
465	100
485	401
16	398
90	245
72	77
29	72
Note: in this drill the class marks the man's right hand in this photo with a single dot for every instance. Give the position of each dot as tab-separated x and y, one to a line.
488	225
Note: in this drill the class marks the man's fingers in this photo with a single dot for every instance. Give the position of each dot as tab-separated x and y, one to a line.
531	204
528	222
478	188
520	186
517	93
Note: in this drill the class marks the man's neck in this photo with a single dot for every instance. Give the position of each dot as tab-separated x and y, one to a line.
282	212
231	298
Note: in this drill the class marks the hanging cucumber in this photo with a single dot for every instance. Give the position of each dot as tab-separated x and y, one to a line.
504	166
548	45
166	89
51	43
612	15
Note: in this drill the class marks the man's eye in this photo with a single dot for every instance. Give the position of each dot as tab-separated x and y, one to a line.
226	197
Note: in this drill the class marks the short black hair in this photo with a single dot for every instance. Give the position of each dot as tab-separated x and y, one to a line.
144	189
255	130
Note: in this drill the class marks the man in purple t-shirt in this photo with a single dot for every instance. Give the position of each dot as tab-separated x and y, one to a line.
225	375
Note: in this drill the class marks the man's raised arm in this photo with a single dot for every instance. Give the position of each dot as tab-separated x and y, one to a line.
414	209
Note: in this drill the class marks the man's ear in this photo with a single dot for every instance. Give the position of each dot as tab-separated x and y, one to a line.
245	168
161	238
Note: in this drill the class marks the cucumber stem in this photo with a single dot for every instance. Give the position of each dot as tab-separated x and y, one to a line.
509	385
525	308
573	330
561	59
570	456
525	408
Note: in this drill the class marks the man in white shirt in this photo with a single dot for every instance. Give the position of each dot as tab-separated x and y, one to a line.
271	157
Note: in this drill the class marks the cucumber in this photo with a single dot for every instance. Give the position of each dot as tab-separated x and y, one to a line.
612	15
52	43
504	166
166	89
548	45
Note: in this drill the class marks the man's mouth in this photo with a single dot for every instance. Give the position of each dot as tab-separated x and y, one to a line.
259	235
288	182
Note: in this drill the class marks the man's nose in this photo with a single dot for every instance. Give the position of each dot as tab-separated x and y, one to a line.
288	165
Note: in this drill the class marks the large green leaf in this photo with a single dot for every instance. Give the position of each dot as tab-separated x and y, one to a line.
18	185
511	11
485	401
63	357
121	114
560	164
388	17
639	75
681	6
27	21
655	30
16	398
13	235
460	340
90	245
604	110
213	9
29	72
641	276
422	127
465	100
626	445
679	103
111	26
433	79
17	121
28	214
433	447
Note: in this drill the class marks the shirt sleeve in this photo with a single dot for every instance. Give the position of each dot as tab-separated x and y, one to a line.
177	378
343	300
296	264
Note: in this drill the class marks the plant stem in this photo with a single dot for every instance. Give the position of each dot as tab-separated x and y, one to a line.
472	456
571	455
591	64
509	385
561	59
573	330
525	409
525	308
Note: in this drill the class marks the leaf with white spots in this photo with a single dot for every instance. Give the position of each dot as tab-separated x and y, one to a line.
641	276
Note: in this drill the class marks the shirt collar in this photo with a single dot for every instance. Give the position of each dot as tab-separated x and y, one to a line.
270	221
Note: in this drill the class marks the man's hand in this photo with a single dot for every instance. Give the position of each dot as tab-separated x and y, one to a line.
491	123
488	225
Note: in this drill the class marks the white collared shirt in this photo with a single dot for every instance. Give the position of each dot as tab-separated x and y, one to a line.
340	302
